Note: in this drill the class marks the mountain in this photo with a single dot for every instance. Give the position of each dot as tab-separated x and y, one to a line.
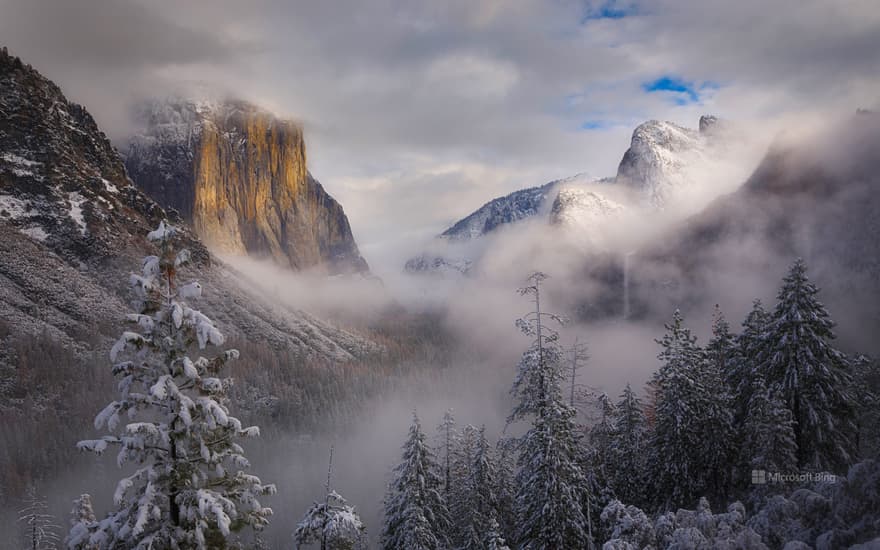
238	174
584	213
517	206
658	161
814	198
73	227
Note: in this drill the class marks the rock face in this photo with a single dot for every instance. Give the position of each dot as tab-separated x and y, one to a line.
239	175
659	153
73	227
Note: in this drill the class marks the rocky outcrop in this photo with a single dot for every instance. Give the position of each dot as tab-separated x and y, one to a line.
73	227
239	175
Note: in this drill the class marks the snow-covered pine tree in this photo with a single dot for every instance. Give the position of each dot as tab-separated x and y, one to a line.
39	530
494	540
460	501
332	524
416	517
800	364
627	450
189	488
505	485
448	440
716	423
866	387
602	432
549	480
741	370
768	434
82	520
481	503
674	460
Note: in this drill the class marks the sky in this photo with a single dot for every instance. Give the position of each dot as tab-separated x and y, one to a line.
417	112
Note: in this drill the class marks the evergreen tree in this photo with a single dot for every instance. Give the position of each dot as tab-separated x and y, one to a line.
332	524
505	486
866	388
627	450
448	440
800	364
675	441
188	488
461	498
494	540
741	370
82	520
715	417
39	529
769	437
416	517
601	434
549	480
481	503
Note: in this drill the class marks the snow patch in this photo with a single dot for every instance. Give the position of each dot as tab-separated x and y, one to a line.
76	211
37	233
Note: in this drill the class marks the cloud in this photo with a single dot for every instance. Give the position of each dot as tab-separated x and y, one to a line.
391	92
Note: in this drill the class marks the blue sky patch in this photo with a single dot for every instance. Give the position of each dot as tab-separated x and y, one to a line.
608	10
679	90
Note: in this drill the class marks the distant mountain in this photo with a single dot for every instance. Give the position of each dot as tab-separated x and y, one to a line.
73	227
662	164
818	200
517	206
238	174
660	153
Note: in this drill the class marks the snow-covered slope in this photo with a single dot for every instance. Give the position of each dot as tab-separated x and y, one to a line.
72	228
584	212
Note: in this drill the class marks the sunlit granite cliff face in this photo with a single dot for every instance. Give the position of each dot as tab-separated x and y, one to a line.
238	174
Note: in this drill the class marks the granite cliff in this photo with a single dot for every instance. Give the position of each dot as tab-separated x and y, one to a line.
238	174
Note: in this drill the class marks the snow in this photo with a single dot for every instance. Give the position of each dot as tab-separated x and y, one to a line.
21	166
109	186
76	211
14	207
36	232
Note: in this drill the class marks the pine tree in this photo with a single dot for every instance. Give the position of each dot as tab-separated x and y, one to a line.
480	510
416	517
675	440
39	529
769	437
494	540
549	479
448	440
189	488
601	434
332	524
82	520
741	370
715	417
460	501
627	450
800	364
505	486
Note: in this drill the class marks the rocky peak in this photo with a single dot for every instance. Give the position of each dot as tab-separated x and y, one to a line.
238	174
658	157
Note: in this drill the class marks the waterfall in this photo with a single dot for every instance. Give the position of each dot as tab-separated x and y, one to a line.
625	286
